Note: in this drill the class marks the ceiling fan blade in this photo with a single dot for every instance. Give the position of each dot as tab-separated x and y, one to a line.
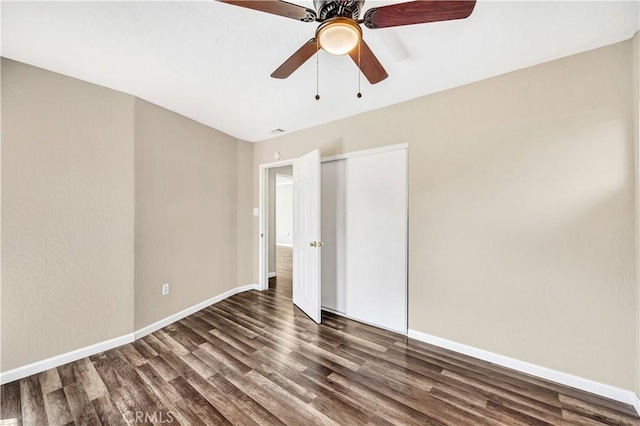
369	64
277	7
418	12
296	60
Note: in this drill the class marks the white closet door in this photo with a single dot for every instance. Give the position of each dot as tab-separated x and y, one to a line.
377	239
334	235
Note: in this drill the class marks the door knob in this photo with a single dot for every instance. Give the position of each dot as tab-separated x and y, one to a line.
316	244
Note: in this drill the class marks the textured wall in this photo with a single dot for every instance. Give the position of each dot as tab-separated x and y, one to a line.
521	204
186	212
67	214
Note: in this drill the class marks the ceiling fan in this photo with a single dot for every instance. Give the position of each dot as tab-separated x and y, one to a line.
339	32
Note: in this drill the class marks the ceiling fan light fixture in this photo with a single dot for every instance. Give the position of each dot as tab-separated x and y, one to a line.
339	36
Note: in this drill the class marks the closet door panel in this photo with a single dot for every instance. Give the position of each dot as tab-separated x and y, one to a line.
377	239
334	217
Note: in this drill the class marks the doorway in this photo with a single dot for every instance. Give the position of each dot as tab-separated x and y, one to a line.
305	232
280	233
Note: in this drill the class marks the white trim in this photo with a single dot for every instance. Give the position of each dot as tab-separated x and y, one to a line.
284	245
263	250
65	358
195	308
365	152
271	275
280	163
46	364
607	391
346	231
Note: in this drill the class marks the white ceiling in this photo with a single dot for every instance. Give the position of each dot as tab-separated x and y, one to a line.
211	61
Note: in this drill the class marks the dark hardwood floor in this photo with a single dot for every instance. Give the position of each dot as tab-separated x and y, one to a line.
254	359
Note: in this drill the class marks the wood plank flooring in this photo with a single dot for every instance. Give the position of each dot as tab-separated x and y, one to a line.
254	359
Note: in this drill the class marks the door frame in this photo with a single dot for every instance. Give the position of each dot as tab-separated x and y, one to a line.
263	219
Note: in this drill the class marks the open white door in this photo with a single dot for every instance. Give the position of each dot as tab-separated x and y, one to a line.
306	234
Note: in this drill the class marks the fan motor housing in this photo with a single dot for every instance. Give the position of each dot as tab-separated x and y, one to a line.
328	9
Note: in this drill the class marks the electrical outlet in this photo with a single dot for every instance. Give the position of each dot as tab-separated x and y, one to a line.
165	289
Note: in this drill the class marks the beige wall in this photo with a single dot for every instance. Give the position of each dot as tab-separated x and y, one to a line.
186	212
245	218
67	214
68	235
521	194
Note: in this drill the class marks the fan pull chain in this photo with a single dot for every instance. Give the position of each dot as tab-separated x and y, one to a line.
317	70
359	69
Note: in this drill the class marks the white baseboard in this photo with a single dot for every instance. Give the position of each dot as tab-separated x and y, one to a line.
284	245
195	308
58	360
271	275
607	391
